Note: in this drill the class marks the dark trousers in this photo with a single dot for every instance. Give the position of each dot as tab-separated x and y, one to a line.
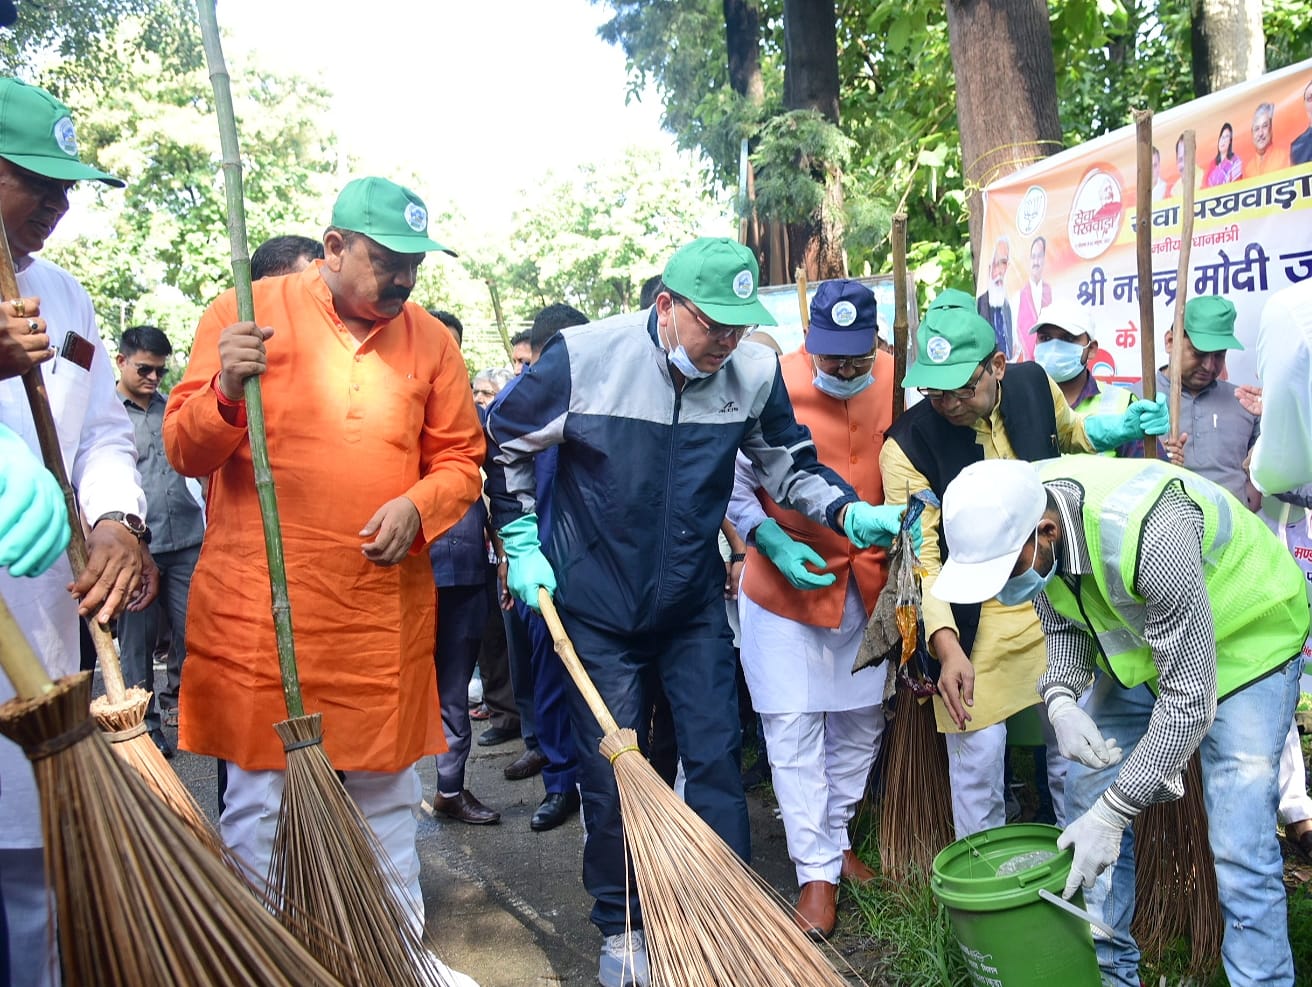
461	614
494	664
695	665
137	632
550	706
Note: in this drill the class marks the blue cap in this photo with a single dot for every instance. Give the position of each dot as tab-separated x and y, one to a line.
844	319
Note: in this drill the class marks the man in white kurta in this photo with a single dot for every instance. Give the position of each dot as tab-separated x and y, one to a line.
805	599
38	165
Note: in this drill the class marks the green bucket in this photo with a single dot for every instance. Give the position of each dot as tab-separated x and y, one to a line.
1009	936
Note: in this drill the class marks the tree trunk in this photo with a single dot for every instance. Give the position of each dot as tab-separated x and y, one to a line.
811	83
742	34
1006	91
1229	45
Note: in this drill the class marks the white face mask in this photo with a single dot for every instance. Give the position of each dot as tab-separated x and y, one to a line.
680	358
837	387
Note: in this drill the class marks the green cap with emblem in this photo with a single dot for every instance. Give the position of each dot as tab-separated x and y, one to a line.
719	276
36	133
1209	322
389	214
950	343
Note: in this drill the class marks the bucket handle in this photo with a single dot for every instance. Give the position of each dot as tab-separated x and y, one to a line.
1078	912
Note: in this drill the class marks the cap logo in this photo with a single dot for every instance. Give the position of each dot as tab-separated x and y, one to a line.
65	137
843	313
416	217
743	284
938	349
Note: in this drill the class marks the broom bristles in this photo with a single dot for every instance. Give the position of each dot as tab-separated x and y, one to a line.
709	919
329	872
138	900
915	811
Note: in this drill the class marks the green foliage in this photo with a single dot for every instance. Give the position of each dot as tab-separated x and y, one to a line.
797	152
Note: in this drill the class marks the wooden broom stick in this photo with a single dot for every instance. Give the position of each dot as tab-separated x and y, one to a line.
901	308
501	319
803	305
1182	278
1143	236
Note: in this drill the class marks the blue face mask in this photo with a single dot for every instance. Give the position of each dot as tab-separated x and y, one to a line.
837	387
1061	359
682	361
1029	584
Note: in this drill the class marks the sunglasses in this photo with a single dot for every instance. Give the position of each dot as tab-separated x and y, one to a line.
147	370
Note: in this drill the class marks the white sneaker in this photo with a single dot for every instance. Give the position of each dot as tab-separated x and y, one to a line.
624	961
475	692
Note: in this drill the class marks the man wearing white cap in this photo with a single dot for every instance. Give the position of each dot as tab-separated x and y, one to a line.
1063	346
1194	616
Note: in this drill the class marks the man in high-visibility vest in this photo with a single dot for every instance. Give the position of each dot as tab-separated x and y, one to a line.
1192	614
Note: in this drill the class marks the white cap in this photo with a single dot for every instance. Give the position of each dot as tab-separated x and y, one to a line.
1075	319
989	512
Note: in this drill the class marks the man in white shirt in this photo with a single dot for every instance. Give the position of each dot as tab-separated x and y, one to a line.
1282	457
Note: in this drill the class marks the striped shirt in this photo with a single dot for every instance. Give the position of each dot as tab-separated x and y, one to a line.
1178	628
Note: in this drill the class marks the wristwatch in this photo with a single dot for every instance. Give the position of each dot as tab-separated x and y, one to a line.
132	522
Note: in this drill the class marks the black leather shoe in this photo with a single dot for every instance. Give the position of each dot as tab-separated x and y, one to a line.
162	742
465	808
497	735
527	765
554	810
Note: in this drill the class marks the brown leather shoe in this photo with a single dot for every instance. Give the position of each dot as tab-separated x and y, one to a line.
527	765
816	908
855	870
465	808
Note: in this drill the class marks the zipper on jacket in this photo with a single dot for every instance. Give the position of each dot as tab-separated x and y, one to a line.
669	492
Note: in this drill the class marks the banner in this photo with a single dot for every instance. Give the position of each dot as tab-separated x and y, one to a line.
1064	228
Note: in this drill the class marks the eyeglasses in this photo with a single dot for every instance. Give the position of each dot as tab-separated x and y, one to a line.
484	392
715	330
964	393
147	370
831	364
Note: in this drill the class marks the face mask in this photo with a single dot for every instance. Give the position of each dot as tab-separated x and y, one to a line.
682	361
1029	584
837	387
1061	359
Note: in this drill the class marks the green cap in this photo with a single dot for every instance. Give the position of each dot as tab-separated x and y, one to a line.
36	133
719	276
389	214
1209	322
950	344
952	299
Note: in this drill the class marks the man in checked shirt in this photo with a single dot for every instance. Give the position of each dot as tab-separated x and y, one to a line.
1190	617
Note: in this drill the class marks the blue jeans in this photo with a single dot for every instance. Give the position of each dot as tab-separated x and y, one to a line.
1240	758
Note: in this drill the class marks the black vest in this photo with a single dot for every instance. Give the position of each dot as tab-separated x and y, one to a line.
940	450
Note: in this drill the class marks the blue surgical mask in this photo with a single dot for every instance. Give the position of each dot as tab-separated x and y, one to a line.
1029	584
837	387
1061	359
682	361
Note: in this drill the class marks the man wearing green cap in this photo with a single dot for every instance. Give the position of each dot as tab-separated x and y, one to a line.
991	653
1216	431
375	449
39	164
649	411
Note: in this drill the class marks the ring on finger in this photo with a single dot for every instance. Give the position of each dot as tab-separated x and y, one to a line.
20	307
33	327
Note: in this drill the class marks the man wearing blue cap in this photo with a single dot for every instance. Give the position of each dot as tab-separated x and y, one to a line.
806	596
649	411
39	164
991	654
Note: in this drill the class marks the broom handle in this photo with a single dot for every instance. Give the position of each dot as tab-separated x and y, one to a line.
1143	235
901	306
20	662
1182	278
48	437
565	648
241	274
501	319
802	304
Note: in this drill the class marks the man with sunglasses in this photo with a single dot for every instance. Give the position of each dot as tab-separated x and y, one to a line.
649	411
177	528
991	653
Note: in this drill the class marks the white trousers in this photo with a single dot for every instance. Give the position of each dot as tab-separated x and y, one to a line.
33	955
388	800
976	767
1295	806
819	763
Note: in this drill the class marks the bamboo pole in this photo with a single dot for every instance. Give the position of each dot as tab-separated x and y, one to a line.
803	305
901	308
1143	235
1182	278
501	319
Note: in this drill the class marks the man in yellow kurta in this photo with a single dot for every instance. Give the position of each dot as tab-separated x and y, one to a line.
375	450
992	653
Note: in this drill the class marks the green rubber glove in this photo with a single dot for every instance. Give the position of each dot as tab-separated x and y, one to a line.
33	518
867	524
1140	419
528	568
791	557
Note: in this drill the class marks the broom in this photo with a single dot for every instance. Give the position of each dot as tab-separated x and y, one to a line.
138	900
710	920
121	712
328	874
1175	873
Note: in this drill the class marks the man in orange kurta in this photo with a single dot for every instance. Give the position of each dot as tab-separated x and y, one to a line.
375	450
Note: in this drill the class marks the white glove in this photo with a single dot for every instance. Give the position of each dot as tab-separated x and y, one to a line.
1078	736
1096	836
